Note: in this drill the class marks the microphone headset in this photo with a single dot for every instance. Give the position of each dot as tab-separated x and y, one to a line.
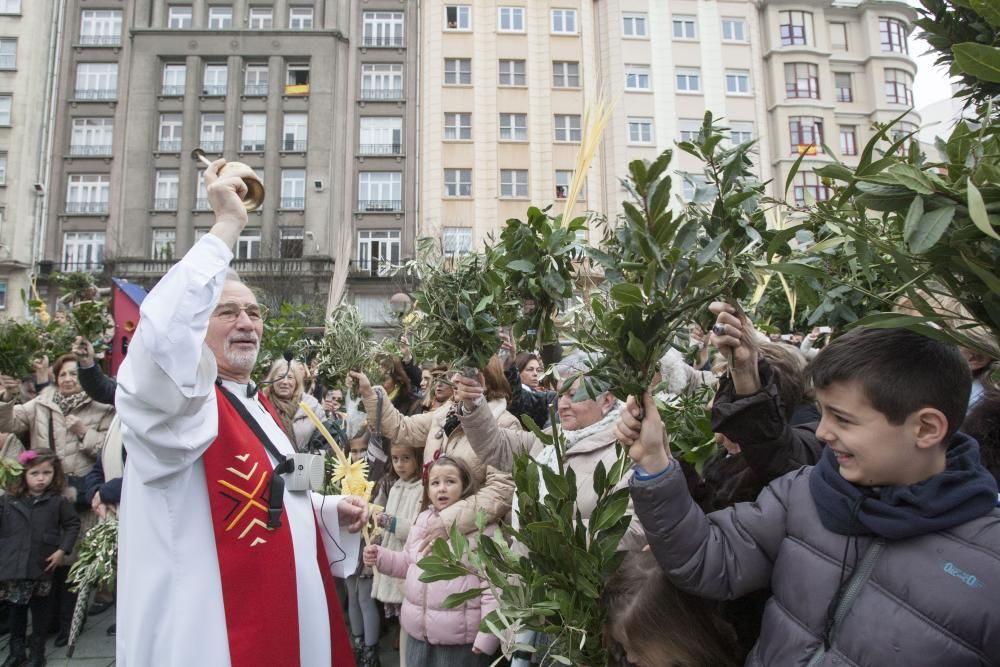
288	356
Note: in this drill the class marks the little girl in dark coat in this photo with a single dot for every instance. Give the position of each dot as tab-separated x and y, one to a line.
38	528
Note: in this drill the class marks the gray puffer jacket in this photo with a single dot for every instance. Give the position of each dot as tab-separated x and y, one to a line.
926	600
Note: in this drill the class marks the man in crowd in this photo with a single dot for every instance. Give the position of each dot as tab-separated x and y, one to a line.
213	570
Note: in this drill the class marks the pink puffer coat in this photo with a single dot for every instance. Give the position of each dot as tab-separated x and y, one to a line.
423	615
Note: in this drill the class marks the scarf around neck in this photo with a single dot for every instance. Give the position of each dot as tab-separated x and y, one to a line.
965	490
67	404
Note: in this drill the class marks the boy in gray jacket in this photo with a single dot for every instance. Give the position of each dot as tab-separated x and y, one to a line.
887	552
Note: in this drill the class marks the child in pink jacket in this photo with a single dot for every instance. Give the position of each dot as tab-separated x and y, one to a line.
438	637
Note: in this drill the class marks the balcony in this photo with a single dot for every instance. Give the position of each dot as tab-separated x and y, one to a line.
293	203
294	145
212	147
380	206
100	40
169	147
87	208
90	94
381	93
214	91
169	204
288	267
251	147
374	268
297	89
78	150
255	90
172	91
81	267
383	41
380	149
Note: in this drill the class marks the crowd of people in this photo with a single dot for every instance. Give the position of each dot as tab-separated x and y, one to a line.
848	517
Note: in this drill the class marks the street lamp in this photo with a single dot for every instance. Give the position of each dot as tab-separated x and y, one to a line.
399	304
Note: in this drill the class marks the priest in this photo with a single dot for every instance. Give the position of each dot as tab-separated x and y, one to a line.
219	564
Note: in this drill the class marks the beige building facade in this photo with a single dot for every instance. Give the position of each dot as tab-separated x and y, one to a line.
28	51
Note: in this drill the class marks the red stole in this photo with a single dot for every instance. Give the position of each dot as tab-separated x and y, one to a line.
257	565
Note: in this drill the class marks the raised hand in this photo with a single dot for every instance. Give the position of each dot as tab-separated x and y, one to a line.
364	384
734	336
645	439
84	351
468	390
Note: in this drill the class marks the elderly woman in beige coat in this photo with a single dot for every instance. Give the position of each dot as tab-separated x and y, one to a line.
441	431
65	419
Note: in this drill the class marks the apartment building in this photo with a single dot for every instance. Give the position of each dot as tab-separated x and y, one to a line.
27	55
833	71
270	84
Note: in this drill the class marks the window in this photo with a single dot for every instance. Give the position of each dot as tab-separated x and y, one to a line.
801	80
10	6
294	134
261	18
213	132
688	80
380	191
795	28
898	87
248	245
689	128
215	80
564	178
640	131
808	186
220	18
457	126
91	136
174	79
83	251
838	36
457	182
378	251
87	193
300	18
458	17
513	127
457	71
293	188
514	183
101	27
8	53
806	134
170	134
254	133
510	19
456	240
96	81
637	77
740	132
6	102
512	73
565	74
167	183
297	79
179	17
381	135
255	80
848	140
634	25
3	287
3	173
901	130
382	29
291	243
567	127
201	198
738	81
734	30
563	21
382	81
164	244
842	84
685	27
892	33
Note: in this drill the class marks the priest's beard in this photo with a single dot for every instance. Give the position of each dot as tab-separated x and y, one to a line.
239	359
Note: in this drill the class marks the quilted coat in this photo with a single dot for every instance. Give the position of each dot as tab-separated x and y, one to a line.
403	505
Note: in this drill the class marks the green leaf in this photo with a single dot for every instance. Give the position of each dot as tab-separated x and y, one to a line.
912	178
456	599
913	216
930	229
636	347
977	211
978	60
709	251
522	265
797	269
988	9
626	294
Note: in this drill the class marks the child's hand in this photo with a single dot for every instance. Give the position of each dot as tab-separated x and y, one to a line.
476	651
384	520
55	560
370	556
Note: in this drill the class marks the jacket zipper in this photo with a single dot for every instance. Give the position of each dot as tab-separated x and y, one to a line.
858	579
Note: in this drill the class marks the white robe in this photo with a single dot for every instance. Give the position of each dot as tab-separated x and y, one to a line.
170	607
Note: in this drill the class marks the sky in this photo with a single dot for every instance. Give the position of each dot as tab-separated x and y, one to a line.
931	83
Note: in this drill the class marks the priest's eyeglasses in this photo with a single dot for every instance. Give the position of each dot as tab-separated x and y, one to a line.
230	312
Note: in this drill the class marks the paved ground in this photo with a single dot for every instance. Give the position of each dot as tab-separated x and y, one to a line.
95	648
